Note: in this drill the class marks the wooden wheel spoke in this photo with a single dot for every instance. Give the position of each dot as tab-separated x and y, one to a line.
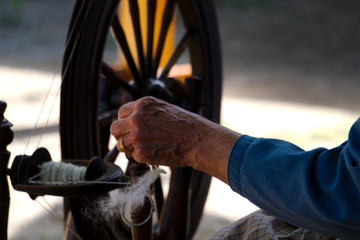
159	195
111	155
166	21
135	17
120	37
106	118
150	33
181	47
112	76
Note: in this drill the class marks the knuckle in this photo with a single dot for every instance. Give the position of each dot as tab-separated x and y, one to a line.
114	128
142	102
146	101
121	110
136	121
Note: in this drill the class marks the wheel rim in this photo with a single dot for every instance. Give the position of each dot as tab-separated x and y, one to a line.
83	137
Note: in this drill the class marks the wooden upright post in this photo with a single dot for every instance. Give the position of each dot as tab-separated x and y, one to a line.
139	215
6	137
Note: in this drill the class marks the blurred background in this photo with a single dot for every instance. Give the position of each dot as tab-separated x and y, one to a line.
290	71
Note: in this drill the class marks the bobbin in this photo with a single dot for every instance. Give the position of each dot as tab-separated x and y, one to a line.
100	177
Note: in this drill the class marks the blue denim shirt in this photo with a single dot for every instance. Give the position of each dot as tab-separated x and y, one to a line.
318	189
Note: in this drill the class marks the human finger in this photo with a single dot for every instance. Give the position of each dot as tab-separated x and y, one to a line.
139	105
119	128
126	110
123	145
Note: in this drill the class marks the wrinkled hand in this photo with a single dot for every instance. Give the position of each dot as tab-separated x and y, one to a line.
155	132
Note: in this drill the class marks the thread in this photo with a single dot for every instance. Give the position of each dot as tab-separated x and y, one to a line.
54	214
72	44
64	73
107	209
61	172
104	209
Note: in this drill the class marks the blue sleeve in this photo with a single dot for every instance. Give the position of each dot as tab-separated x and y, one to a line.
318	190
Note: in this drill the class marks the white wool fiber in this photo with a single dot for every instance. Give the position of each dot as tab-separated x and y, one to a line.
123	200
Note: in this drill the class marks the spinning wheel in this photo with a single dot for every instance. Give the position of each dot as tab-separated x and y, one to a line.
93	90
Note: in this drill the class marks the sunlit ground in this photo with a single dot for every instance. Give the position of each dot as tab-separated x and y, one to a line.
25	91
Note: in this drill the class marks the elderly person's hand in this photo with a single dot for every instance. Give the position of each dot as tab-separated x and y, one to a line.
158	133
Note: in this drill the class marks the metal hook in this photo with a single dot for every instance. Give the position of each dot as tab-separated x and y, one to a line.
152	210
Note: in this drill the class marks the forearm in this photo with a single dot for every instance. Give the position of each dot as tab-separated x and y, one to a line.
212	153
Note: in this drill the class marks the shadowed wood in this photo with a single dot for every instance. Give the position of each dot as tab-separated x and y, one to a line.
135	17
179	50
166	21
150	34
120	38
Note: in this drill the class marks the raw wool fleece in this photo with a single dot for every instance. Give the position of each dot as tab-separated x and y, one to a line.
120	201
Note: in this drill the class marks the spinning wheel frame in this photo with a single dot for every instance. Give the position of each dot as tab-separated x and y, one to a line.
81	135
